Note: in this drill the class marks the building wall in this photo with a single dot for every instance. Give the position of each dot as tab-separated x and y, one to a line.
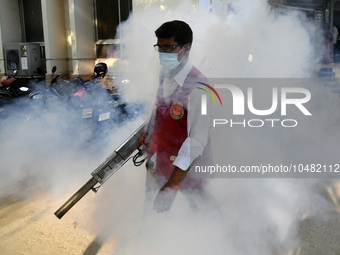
10	31
82	36
69	37
54	35
69	33
142	4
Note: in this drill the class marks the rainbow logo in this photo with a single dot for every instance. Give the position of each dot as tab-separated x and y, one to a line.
209	93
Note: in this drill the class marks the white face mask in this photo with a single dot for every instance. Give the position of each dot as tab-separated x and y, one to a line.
169	60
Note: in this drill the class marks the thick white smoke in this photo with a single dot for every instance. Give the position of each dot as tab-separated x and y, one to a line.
256	216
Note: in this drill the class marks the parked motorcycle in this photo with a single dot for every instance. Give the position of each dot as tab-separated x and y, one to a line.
53	107
11	90
12	87
43	94
102	109
13	95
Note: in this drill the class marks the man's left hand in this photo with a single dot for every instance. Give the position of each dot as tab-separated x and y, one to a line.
164	199
167	193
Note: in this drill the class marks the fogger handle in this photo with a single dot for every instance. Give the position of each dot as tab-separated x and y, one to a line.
75	198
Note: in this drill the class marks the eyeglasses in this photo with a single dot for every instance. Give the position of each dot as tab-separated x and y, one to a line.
166	48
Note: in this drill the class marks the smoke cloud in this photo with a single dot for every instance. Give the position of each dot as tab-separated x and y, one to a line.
255	216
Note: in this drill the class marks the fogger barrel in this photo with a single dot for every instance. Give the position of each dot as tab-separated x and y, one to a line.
105	170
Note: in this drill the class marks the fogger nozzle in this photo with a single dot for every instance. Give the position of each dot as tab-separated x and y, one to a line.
105	170
75	198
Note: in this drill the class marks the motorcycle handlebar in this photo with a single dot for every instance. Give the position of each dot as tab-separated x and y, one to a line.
54	80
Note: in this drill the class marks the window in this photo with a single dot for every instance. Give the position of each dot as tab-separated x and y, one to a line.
31	21
108	15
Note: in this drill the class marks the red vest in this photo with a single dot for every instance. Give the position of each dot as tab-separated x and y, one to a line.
170	129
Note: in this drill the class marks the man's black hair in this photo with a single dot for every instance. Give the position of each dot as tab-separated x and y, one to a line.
179	30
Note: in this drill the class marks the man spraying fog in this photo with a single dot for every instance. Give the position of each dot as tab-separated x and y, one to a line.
177	136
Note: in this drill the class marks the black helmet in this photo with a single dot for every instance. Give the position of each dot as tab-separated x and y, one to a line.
77	81
100	69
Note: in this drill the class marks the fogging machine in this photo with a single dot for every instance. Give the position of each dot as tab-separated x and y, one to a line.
106	169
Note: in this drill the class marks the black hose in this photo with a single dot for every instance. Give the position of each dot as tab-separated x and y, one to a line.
138	155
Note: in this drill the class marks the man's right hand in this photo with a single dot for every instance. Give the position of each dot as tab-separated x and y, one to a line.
143	141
